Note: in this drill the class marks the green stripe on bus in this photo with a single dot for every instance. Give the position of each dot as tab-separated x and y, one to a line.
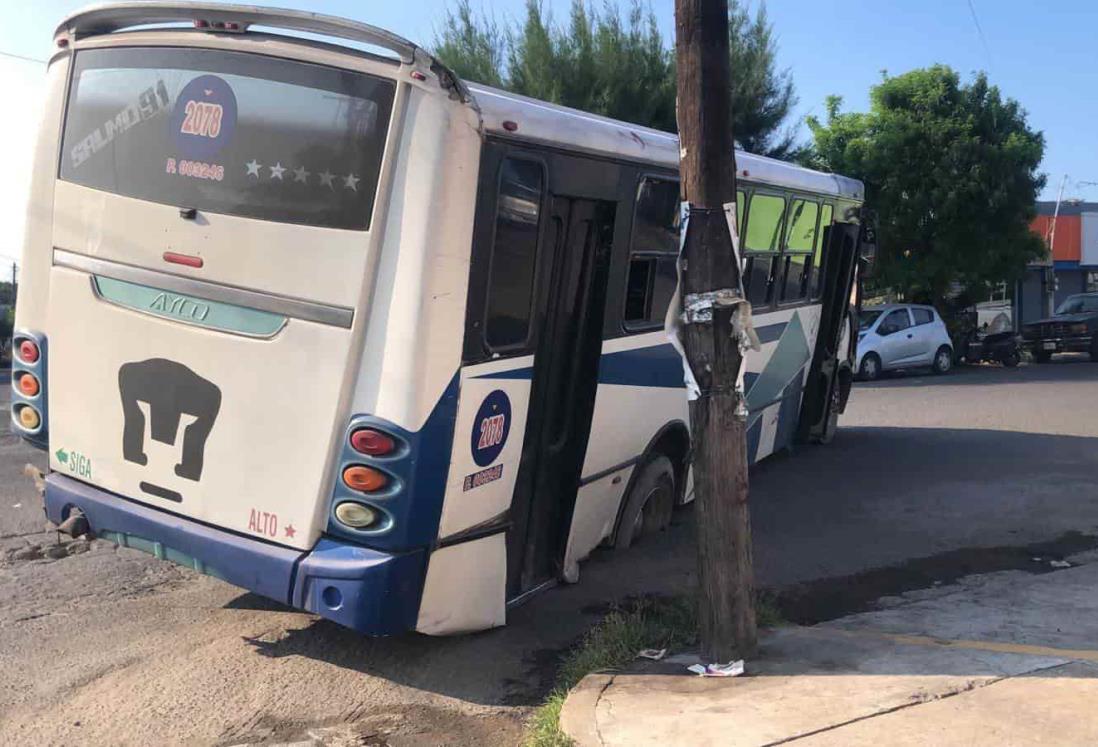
188	309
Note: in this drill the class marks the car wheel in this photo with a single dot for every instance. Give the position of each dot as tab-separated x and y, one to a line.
870	370
943	360
1042	357
1011	358
649	504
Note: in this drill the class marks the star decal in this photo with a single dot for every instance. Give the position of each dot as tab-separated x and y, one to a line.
351	182
253	168
326	179
290	531
276	170
301	175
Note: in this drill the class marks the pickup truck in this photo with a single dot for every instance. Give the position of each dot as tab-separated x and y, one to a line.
1072	329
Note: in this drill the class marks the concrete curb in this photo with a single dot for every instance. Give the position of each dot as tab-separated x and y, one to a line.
577	715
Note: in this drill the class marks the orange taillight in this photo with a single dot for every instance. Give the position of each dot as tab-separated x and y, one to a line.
28	385
366	479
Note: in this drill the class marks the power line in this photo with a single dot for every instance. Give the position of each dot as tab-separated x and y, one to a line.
980	32
22	57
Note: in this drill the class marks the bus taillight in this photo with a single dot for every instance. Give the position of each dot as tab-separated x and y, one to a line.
29	417
28	385
356	515
374	443
28	351
364	479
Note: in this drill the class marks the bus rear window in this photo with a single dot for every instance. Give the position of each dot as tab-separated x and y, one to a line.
228	132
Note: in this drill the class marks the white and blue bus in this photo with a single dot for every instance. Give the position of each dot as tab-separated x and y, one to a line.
305	312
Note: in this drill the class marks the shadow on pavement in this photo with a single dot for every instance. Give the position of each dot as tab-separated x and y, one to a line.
874	499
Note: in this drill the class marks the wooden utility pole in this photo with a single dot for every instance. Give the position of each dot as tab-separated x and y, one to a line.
711	291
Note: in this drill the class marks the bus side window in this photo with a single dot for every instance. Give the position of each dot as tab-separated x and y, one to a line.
762	242
821	246
514	254
648	291
799	244
654	248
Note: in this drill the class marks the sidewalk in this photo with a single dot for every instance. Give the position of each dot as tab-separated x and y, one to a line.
1006	658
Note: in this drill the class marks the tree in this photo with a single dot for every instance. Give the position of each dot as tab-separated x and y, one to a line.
762	96
950	170
619	65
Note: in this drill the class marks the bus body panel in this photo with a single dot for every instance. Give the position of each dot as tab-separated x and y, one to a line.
464	588
270	259
417	301
262	468
484	460
32	302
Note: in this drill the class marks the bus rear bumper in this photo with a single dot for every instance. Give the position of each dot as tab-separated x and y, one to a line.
366	590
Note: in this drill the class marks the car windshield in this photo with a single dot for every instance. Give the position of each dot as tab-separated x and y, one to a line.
1078	304
867	317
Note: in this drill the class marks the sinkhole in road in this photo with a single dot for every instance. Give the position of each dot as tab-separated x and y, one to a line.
831	598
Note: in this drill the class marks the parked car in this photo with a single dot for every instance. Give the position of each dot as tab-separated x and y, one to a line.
1073	328
897	336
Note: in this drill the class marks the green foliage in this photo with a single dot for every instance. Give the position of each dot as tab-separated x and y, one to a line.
951	171
619	65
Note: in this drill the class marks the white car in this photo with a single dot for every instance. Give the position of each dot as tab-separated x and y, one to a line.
896	336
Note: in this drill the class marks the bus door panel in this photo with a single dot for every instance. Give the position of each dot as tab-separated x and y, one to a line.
565	379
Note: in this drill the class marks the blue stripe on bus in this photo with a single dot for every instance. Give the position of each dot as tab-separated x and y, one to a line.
521	374
770	332
659	366
650	366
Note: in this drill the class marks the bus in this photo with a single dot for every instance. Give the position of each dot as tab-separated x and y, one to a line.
304	311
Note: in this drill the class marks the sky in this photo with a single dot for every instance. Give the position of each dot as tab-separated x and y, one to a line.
1045	57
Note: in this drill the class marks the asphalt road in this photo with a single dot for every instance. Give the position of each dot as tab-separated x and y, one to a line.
111	646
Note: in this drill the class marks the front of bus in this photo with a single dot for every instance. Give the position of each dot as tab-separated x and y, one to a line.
205	261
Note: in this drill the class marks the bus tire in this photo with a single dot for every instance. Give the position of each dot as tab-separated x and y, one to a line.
649	504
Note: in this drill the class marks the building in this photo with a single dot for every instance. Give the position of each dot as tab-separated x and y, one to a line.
1074	266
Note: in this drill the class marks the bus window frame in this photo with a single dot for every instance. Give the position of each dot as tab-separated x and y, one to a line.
804	298
639	328
815	295
765	190
529	342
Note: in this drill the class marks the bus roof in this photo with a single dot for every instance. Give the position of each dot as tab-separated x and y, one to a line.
570	128
533	119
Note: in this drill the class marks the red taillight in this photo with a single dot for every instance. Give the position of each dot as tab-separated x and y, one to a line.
201	23
365	479
28	351
232	26
369	441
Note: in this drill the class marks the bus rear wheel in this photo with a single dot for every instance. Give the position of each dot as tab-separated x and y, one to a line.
649	504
